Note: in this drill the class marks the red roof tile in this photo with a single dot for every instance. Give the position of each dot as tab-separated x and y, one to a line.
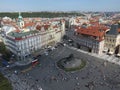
46	26
97	31
55	26
28	24
38	27
119	30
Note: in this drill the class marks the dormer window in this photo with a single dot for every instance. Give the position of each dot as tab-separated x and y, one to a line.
84	26
100	30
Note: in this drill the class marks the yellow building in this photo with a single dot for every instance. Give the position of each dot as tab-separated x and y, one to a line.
112	40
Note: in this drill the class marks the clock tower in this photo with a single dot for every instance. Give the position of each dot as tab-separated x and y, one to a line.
20	21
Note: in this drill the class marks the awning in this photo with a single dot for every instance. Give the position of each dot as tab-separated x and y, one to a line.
110	52
118	54
105	50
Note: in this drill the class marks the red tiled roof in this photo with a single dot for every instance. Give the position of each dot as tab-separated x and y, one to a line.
46	26
17	30
38	27
28	24
90	31
55	26
97	31
119	30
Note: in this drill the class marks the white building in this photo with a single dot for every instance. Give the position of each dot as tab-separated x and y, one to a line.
23	41
23	44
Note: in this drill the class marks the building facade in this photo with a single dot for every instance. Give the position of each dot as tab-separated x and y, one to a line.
112	40
51	33
91	38
26	39
23	44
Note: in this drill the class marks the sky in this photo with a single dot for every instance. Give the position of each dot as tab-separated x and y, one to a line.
59	5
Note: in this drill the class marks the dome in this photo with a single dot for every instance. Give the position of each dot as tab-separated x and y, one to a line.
100	20
7	18
20	17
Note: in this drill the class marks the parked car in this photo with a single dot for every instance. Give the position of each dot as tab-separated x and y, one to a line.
38	56
46	53
70	41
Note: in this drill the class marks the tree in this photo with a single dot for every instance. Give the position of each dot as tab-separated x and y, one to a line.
41	14
6	54
2	48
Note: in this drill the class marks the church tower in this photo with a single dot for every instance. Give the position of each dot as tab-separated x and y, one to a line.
20	21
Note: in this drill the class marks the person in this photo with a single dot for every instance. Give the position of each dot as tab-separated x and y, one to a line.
15	72
40	88
105	63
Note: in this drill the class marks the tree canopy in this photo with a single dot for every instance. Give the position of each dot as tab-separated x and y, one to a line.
40	14
6	54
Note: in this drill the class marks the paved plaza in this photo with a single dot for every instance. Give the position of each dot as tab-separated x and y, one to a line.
98	74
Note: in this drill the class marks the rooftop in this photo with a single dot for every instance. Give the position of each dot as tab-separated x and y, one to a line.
115	28
97	31
21	34
92	30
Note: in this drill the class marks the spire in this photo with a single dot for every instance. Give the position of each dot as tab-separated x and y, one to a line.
19	13
20	17
20	20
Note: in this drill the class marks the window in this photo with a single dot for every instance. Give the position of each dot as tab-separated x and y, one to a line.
112	45
50	36
110	40
113	40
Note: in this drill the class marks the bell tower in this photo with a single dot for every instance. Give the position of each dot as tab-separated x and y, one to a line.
20	21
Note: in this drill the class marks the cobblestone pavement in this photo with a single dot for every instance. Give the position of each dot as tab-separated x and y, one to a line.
95	76
19	83
110	58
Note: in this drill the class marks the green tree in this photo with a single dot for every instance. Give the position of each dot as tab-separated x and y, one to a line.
41	14
2	48
4	83
6	54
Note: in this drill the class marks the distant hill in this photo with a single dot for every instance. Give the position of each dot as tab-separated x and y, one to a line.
40	14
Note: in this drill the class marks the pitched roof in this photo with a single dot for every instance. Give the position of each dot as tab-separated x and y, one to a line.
21	34
92	30
95	31
114	30
28	24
